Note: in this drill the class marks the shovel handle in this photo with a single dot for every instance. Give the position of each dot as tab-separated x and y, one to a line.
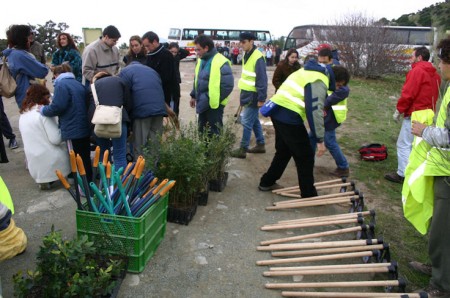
167	188
62	179
105	157
140	169
73	161
80	165
158	188
96	156
108	170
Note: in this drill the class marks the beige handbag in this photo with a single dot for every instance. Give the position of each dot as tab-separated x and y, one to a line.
107	119
7	83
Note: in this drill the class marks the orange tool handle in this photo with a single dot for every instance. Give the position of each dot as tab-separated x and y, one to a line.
167	188
97	156
158	188
153	182
140	169
73	161
105	157
62	179
80	165
108	170
136	166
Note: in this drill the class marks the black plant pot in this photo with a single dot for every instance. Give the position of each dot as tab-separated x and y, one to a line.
218	185
181	215
202	198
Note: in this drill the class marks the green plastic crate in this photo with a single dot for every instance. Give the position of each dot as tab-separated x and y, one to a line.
137	238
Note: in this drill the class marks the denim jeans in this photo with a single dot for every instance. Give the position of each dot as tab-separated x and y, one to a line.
404	145
332	145
119	146
250	122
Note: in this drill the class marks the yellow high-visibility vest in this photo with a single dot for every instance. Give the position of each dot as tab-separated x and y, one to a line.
214	80
425	162
340	111
248	78
291	94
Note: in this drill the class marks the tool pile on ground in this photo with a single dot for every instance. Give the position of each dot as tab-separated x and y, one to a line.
129	191
309	248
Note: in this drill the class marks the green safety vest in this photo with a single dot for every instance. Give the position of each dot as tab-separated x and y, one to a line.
248	78
340	111
425	162
214	80
291	94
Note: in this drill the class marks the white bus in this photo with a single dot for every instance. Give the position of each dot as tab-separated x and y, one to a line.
185	37
307	37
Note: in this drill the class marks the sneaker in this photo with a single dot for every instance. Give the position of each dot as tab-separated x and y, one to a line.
421	267
13	144
259	148
269	188
341	172
394	177
239	153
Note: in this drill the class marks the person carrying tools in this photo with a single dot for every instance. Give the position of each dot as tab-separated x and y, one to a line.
288	109
420	92
253	85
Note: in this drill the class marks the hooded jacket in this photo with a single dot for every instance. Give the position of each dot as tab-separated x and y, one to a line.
421	89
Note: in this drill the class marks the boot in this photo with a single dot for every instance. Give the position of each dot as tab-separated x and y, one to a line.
340	172
239	153
259	148
394	177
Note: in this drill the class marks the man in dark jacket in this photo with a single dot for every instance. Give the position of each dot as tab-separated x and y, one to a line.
161	60
420	92
147	107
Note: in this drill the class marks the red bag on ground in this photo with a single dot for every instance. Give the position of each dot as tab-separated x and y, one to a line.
373	152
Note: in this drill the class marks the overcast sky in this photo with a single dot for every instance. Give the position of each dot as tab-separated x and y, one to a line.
138	17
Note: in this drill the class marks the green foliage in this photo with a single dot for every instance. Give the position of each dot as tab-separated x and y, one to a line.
218	150
434	15
371	105
69	268
181	158
46	34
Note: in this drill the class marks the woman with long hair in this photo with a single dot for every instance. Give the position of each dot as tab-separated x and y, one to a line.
22	64
285	68
44	148
67	53
136	51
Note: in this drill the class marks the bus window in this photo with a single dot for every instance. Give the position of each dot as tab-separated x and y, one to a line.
233	35
174	33
190	34
420	38
221	35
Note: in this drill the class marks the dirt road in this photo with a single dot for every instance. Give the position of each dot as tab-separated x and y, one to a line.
214	256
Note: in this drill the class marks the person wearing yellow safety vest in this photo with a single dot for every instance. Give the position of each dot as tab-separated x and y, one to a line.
335	110
288	110
437	166
213	83
253	86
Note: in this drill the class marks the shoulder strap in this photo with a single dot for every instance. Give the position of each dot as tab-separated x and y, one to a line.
94	93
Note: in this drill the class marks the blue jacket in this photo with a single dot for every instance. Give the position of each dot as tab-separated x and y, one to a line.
226	82
24	67
70	105
147	94
252	98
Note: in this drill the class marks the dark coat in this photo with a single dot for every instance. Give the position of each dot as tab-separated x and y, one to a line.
147	95
162	61
70	105
282	71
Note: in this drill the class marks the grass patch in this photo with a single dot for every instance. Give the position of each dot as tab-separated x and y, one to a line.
371	105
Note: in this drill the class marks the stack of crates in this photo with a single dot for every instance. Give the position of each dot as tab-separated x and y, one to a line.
137	238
